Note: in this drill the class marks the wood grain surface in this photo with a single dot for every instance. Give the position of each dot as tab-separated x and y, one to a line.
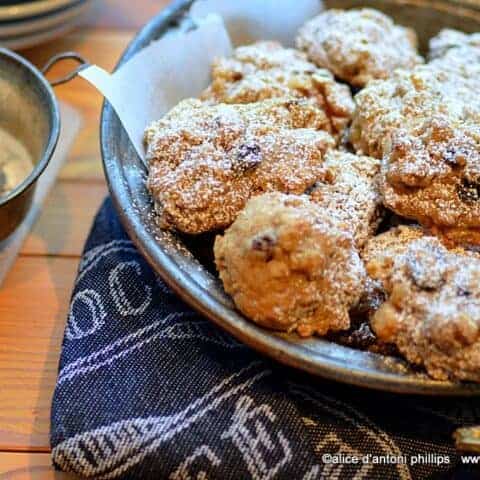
34	300
19	466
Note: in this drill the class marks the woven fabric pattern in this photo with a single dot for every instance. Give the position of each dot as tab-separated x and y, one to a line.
147	388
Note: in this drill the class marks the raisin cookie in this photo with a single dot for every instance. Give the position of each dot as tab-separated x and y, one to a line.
289	266
267	70
358	45
425	126
206	161
454	46
432	311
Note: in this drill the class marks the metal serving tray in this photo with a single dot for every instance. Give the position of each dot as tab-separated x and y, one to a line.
184	265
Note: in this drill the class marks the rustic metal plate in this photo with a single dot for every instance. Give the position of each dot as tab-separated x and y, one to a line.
185	267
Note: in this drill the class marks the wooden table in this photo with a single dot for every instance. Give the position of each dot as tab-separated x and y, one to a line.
34	300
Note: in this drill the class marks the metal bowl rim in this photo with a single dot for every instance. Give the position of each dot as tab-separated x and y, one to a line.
54	117
33	9
194	295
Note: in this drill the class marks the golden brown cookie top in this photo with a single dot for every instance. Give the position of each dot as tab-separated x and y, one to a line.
206	161
266	70
358	45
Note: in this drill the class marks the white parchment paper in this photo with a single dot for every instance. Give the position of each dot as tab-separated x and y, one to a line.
178	65
250	20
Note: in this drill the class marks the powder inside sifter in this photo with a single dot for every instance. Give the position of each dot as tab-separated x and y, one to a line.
15	162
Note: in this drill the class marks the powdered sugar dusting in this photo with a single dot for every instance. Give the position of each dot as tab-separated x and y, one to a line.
267	70
349	189
358	45
424	123
290	266
207	161
433	310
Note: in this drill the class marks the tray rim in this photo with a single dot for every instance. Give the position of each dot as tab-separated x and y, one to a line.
261	340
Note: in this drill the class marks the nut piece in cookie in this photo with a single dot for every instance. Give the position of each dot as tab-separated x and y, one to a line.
432	313
267	70
349	187
289	267
205	161
425	125
358	45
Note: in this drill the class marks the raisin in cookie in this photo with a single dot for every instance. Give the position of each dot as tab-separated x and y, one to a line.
432	311
267	70
206	161
289	266
358	45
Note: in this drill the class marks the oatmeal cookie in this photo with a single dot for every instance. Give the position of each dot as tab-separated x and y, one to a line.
378	255
349	186
458	53
358	45
206	161
267	70
381	250
432	313
449	43
407	101
289	267
435	178
425	126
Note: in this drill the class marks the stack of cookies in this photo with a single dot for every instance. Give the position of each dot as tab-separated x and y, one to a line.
343	181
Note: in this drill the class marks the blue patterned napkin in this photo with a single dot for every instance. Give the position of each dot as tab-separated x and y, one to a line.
147	388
